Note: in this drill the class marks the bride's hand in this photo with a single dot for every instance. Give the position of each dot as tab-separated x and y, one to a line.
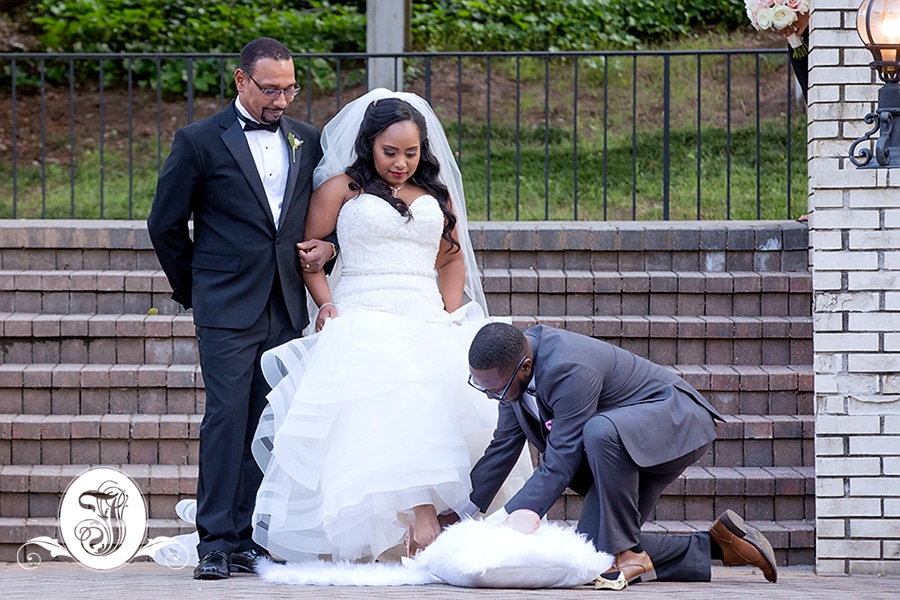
329	311
797	27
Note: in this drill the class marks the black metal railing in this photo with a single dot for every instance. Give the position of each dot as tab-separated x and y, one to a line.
626	135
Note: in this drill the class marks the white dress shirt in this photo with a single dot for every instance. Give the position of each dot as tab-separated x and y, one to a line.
270	153
529	401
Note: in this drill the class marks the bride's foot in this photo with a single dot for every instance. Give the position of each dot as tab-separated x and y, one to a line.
425	529
412	548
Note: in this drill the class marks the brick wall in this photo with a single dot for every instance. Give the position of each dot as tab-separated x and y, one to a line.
854	237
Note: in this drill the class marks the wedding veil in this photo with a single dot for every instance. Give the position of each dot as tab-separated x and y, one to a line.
338	146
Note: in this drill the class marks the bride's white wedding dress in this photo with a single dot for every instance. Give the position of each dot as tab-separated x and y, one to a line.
373	415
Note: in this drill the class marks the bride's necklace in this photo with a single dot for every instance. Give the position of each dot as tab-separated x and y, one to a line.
396	190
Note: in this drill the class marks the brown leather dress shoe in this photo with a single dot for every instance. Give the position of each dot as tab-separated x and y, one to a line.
743	545
629	567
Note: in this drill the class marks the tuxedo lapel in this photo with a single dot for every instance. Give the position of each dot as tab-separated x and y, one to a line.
236	142
294	156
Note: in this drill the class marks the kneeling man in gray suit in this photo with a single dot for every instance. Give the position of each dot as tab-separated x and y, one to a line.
613	427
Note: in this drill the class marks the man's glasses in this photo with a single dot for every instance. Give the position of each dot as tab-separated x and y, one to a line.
495	395
289	93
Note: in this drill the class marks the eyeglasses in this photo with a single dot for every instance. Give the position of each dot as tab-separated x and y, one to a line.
495	395
289	93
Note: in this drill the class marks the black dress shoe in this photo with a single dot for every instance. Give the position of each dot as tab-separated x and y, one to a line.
213	565
245	562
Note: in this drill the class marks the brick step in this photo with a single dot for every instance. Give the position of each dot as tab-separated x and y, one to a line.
86	291
610	246
598	245
753	390
36	490
16	531
793	541
697	340
100	439
98	338
574	292
71	389
751	441
763	441
702	493
167	339
509	291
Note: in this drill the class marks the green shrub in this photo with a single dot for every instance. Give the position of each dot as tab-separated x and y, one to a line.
192	26
512	25
321	26
517	25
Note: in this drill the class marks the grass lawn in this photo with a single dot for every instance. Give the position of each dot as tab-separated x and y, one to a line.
536	163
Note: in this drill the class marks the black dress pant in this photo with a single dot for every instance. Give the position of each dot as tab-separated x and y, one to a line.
623	498
235	397
800	67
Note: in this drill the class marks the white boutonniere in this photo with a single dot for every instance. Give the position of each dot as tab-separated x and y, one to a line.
294	143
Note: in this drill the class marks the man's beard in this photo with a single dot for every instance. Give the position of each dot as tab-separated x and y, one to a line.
265	118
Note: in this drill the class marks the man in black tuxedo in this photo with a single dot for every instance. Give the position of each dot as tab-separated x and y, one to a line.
613	427
245	176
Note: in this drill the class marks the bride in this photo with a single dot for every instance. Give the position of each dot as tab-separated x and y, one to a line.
371	430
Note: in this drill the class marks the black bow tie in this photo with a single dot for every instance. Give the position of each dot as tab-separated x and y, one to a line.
254	126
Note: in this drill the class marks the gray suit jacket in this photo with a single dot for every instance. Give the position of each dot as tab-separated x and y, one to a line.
658	415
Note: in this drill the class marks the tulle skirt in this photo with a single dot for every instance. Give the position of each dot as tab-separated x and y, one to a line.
366	420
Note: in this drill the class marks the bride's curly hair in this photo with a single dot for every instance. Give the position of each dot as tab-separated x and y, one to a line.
380	115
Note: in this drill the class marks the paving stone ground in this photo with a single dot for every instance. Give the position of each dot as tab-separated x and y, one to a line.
147	581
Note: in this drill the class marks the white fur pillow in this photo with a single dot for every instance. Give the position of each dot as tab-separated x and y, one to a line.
483	555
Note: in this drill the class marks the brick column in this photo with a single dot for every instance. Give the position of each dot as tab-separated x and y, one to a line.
854	239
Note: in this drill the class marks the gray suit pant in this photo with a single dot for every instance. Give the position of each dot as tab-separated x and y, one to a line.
623	498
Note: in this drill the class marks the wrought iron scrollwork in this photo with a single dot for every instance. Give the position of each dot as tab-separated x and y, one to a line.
865	154
882	151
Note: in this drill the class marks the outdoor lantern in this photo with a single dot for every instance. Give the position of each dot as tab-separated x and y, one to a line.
878	25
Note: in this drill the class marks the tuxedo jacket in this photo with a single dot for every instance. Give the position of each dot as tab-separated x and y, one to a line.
658	415
227	270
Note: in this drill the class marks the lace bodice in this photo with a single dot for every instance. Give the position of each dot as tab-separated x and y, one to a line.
387	258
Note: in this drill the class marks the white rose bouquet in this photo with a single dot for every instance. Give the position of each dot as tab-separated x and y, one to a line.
779	15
